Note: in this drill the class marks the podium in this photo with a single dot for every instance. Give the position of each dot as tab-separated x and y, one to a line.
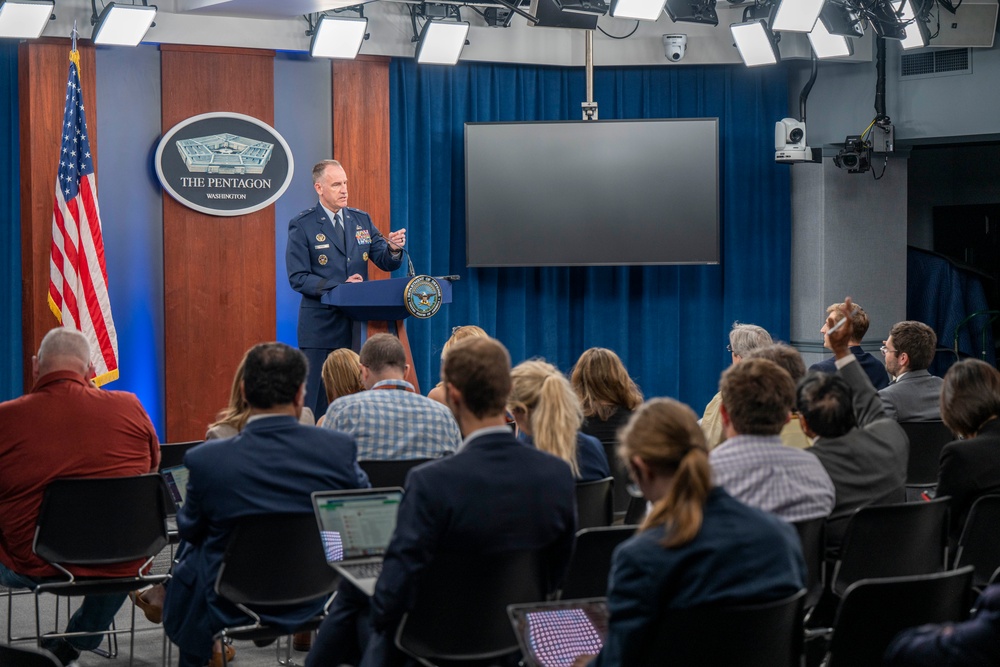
380	301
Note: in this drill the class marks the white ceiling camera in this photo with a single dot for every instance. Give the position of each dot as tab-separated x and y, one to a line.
674	46
790	142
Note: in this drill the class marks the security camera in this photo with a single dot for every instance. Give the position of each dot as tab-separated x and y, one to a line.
790	142
674	46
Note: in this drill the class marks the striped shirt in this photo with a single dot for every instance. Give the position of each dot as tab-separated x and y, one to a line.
392	422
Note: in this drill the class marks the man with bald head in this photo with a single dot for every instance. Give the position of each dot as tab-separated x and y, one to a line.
65	427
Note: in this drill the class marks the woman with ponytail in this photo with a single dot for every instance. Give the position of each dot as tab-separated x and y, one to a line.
548	415
697	546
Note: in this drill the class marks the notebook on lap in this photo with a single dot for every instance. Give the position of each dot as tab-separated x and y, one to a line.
356	526
554	634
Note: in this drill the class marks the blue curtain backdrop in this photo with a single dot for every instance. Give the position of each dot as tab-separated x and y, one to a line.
669	324
10	227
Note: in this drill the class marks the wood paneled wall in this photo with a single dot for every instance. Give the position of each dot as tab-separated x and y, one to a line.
43	66
218	272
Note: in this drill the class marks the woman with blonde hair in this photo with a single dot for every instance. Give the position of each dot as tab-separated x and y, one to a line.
697	546
457	334
341	375
548	414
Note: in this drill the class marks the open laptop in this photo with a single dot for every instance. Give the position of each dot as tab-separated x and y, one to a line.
177	481
554	634
356	527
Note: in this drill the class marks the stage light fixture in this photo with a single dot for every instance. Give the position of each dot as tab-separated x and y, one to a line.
883	19
692	11
24	19
441	42
916	32
338	37
122	25
839	19
797	15
755	42
827	45
642	10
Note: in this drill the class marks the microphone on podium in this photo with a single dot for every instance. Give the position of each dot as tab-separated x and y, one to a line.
410	271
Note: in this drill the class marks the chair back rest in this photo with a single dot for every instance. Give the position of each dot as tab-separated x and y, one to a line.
619	472
595	503
590	566
978	546
636	511
927	439
892	541
812	536
389	472
102	520
12	656
765	634
172	453
275	559
874	611
460	612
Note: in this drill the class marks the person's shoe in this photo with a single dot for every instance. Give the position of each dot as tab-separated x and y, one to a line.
65	652
302	641
216	660
152	612
261	643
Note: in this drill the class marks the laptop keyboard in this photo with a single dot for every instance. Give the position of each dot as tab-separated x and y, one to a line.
364	570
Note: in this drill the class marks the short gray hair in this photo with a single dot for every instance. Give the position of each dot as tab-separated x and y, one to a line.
743	338
64	342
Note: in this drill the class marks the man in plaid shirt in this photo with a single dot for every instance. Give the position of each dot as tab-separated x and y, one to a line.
391	420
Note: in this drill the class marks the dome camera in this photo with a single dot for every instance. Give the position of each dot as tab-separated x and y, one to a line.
674	46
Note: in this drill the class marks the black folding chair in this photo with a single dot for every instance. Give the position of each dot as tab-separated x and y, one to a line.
11	656
636	511
460	613
389	472
590	566
979	544
620	473
274	560
811	536
767	634
595	503
100	522
874	611
927	439
172	453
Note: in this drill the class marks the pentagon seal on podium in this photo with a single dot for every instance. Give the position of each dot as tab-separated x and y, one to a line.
423	297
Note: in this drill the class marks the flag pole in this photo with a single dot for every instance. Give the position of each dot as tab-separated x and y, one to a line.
75	35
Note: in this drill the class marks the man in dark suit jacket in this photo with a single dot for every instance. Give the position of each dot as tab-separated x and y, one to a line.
272	466
915	394
328	245
864	452
859	320
494	495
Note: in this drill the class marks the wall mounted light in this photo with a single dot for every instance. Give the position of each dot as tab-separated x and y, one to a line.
755	42
25	19
121	25
338	37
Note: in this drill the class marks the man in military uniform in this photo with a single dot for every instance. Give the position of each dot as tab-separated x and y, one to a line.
328	245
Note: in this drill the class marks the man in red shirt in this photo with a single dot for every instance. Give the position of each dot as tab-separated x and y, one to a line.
65	428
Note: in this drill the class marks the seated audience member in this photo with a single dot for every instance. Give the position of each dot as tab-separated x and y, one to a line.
973	643
859	320
787	357
273	465
970	468
752	464
65	427
743	339
548	415
233	417
493	495
341	376
390	420
457	334
698	546
864	452
607	394
915	394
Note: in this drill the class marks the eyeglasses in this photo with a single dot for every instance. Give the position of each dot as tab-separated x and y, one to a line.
729	348
886	351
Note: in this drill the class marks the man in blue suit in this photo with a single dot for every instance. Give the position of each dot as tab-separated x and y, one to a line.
272	466
328	245
494	495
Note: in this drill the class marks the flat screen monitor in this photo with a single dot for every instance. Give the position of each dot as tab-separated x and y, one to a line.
591	193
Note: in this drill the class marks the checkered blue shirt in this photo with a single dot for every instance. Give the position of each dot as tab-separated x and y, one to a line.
391	421
761	472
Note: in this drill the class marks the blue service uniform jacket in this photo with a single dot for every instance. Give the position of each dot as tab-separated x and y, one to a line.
272	466
317	261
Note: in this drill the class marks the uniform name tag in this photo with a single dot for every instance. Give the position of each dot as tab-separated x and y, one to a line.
320	247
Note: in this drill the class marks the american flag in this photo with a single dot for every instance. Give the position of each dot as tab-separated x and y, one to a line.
78	279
